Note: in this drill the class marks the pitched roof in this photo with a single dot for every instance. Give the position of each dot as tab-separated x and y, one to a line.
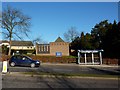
4	41
22	43
59	40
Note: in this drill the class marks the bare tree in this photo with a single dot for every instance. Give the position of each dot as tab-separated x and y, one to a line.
39	40
14	24
71	34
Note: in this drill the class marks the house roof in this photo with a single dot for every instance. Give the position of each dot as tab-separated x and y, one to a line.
4	41
59	40
22	43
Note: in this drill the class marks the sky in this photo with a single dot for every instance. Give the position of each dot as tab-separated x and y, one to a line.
52	19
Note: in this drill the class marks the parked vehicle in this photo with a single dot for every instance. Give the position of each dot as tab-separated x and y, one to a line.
20	60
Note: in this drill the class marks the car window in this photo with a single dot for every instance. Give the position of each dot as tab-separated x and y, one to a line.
25	58
14	57
28	57
19	57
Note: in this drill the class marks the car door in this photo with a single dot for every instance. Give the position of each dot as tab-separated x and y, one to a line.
18	60
26	61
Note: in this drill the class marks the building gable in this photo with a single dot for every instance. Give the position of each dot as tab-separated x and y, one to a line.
59	40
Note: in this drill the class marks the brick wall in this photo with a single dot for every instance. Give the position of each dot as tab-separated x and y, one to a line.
62	47
53	59
59	47
110	61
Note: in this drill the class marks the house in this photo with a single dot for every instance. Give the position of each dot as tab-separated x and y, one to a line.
4	42
59	46
21	46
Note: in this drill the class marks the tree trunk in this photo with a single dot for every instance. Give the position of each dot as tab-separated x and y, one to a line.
10	42
10	47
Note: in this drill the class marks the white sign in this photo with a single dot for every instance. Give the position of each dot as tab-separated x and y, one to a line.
4	70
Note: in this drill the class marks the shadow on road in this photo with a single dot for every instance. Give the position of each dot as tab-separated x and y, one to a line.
106	71
62	81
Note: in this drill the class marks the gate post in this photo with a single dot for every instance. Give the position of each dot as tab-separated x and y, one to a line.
85	58
78	56
100	58
92	58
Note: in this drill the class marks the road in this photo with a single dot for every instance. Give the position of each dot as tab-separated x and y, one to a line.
69	68
21	81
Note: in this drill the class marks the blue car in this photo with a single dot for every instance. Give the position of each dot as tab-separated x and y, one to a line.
20	60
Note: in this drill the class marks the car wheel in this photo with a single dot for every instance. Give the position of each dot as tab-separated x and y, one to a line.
12	64
32	65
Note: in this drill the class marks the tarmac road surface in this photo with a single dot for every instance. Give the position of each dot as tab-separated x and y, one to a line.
69	68
21	81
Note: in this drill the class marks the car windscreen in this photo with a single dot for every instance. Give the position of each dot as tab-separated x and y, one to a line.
28	57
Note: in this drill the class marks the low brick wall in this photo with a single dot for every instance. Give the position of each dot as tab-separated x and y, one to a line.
53	59
110	61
